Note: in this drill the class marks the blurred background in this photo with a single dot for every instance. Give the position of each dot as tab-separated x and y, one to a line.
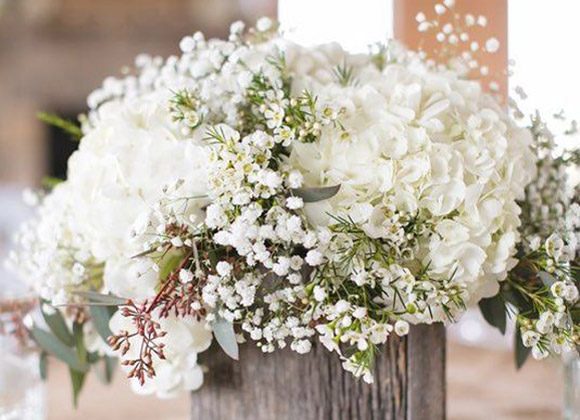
54	52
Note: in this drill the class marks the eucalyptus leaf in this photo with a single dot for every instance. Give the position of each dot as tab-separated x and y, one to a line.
494	311
57	325
52	345
95	298
312	195
223	331
109	364
79	338
546	278
43	365
521	352
77	381
101	316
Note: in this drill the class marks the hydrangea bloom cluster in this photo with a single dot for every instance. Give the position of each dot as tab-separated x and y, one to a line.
253	188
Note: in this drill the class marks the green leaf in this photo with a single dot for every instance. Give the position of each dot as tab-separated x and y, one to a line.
43	365
312	195
546	278
107	369
77	381
67	126
521	352
223	331
95	298
52	345
494	311
101	317
79	338
57	325
49	182
169	263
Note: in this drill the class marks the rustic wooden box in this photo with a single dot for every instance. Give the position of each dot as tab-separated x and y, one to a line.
409	384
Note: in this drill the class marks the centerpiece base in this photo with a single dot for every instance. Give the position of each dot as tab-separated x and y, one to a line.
409	383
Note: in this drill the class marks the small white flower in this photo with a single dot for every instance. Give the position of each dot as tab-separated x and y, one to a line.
185	276
264	24
539	353
314	257
177	242
187	44
492	45
558	289
295	179
440	9
360	278
301	346
530	338
294	203
359	312
237	27
224	268
545	322
401	327
571	293
319	293
420	17
368	378
362	344
341	306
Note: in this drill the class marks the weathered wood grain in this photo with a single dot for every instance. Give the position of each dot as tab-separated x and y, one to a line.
409	384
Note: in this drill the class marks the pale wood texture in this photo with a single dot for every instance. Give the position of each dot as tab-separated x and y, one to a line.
409	384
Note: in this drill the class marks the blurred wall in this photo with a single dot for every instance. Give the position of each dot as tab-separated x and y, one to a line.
54	52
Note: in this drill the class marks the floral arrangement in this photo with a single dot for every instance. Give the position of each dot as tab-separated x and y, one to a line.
255	190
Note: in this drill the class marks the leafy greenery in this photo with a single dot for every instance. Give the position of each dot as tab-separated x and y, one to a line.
69	127
68	345
344	74
49	182
494	312
224	334
312	195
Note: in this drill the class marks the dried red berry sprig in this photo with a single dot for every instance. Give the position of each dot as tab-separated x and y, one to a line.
174	297
149	331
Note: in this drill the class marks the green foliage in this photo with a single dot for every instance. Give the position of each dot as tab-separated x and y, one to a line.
105	369
67	126
344	75
184	107
49	182
57	325
312	195
521	352
52	345
224	334
494	311
68	345
101	315
169	262
99	299
43	365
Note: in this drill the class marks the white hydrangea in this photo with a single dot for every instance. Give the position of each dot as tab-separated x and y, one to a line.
431	144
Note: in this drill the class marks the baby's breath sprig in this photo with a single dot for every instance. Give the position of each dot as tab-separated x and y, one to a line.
185	109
